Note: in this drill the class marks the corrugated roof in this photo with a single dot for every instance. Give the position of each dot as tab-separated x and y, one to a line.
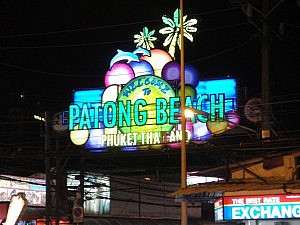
241	185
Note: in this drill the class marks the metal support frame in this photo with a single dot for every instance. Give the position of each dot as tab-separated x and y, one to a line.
54	169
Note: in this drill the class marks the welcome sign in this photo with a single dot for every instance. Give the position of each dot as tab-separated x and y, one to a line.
258	207
140	105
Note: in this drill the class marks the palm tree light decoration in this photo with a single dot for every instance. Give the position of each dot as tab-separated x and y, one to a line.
145	39
173	30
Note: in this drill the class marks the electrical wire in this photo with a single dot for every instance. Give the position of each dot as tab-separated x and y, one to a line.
47	73
111	42
66	45
109	26
92	76
223	51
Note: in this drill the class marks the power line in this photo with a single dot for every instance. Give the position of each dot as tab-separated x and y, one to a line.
112	42
47	73
78	30
96	75
223	51
65	45
109	26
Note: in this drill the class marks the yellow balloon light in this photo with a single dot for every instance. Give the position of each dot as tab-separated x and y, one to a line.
217	127
111	93
157	147
189	91
158	59
79	137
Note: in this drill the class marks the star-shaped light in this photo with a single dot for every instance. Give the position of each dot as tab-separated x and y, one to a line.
145	39
173	30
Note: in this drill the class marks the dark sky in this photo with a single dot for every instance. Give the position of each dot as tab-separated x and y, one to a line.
49	48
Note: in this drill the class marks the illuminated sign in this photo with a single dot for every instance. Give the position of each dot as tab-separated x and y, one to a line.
140	104
97	195
35	189
219	212
17	203
258	207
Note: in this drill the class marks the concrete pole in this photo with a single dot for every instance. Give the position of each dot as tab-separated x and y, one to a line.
183	122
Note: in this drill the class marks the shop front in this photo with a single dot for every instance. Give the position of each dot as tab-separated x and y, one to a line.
260	191
254	202
259	209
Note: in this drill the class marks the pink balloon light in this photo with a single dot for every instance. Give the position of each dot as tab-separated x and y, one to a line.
120	73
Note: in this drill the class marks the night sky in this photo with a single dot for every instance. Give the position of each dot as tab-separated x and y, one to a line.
49	48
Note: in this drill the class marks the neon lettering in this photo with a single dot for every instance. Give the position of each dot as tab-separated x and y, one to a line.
140	117
161	111
217	107
174	110
74	112
124	114
109	114
265	212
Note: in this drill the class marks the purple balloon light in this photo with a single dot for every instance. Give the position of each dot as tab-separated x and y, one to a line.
171	71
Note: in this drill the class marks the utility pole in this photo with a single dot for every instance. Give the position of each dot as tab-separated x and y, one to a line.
82	161
55	161
264	30
265	71
48	167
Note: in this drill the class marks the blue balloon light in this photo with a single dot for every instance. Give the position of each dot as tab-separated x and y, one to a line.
141	68
191	75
